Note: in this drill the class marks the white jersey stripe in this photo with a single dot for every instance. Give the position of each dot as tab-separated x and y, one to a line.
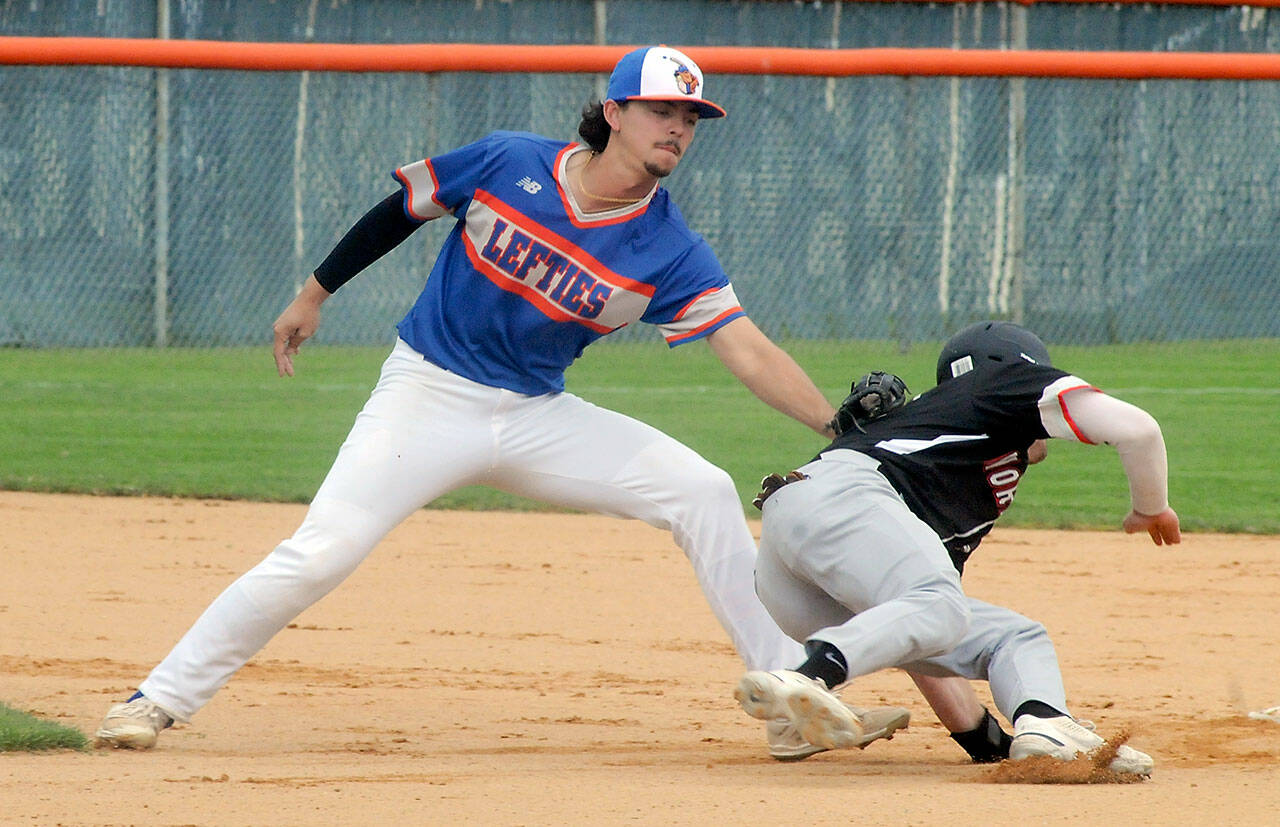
960	535
903	447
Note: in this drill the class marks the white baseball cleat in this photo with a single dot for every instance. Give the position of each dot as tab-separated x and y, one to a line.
1064	738
1272	714
786	743
813	710
133	725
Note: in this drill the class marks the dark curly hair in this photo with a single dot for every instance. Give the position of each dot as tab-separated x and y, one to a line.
593	128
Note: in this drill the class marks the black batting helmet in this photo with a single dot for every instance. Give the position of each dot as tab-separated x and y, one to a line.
989	342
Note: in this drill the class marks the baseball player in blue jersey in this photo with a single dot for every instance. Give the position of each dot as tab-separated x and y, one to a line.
862	548
553	246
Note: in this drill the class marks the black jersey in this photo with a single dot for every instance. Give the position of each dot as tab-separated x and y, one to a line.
957	452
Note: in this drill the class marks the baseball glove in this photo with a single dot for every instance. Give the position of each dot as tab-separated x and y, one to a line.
770	484
871	397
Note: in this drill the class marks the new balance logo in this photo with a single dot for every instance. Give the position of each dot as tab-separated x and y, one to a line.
529	185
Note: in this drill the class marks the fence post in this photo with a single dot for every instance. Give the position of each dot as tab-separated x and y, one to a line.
161	187
600	21
300	271
1017	228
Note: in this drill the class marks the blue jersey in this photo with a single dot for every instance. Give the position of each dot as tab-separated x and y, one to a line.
526	279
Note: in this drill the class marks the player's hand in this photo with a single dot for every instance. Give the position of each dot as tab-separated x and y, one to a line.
1163	527
296	324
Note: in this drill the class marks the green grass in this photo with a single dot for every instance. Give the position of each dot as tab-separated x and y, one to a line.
23	732
220	423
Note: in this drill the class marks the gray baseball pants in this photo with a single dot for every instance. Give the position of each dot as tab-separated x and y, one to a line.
843	560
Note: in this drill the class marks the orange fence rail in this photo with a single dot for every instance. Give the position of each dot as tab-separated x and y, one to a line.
1257	4
472	57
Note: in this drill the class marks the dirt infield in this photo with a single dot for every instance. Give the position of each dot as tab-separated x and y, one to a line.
552	669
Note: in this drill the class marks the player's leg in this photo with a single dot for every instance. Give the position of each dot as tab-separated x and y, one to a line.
952	700
970	724
848	532
799	699
802	609
845	566
563	450
798	605
1011	652
1015	655
422	432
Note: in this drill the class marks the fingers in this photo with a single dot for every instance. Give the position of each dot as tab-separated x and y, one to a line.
1170	530
295	325
285	348
284	364
1166	525
1163	528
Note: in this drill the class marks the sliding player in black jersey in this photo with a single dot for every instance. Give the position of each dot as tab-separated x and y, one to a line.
861	552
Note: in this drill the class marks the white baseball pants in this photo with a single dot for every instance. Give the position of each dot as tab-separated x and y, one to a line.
424	432
843	560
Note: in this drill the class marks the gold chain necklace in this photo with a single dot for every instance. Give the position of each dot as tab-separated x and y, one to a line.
582	185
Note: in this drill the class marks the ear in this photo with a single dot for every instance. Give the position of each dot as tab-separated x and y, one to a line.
613	114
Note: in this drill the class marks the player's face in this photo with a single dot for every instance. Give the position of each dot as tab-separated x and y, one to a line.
656	133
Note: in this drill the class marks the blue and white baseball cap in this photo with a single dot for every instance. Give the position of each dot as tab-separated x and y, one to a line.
660	73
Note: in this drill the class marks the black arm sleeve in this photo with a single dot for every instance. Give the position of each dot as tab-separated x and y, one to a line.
376	233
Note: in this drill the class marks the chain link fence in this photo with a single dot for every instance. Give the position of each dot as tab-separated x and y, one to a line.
184	207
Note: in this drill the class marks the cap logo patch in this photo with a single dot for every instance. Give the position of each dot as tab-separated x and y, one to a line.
686	80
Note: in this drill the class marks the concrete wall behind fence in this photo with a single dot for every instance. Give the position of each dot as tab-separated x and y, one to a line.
863	207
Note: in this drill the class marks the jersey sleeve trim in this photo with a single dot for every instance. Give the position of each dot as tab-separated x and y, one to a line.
680	315
1054	413
421	187
706	329
711	309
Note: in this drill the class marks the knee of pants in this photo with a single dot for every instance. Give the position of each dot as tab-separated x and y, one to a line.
1028	630
1017	638
316	568
706	482
702	493
950	610
310	564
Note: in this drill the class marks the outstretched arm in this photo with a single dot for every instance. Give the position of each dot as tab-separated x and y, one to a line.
376	233
771	374
1137	438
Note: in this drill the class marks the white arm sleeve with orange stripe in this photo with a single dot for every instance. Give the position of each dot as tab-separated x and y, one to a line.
1072	409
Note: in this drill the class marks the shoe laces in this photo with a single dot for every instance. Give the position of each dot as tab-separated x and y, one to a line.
144	709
